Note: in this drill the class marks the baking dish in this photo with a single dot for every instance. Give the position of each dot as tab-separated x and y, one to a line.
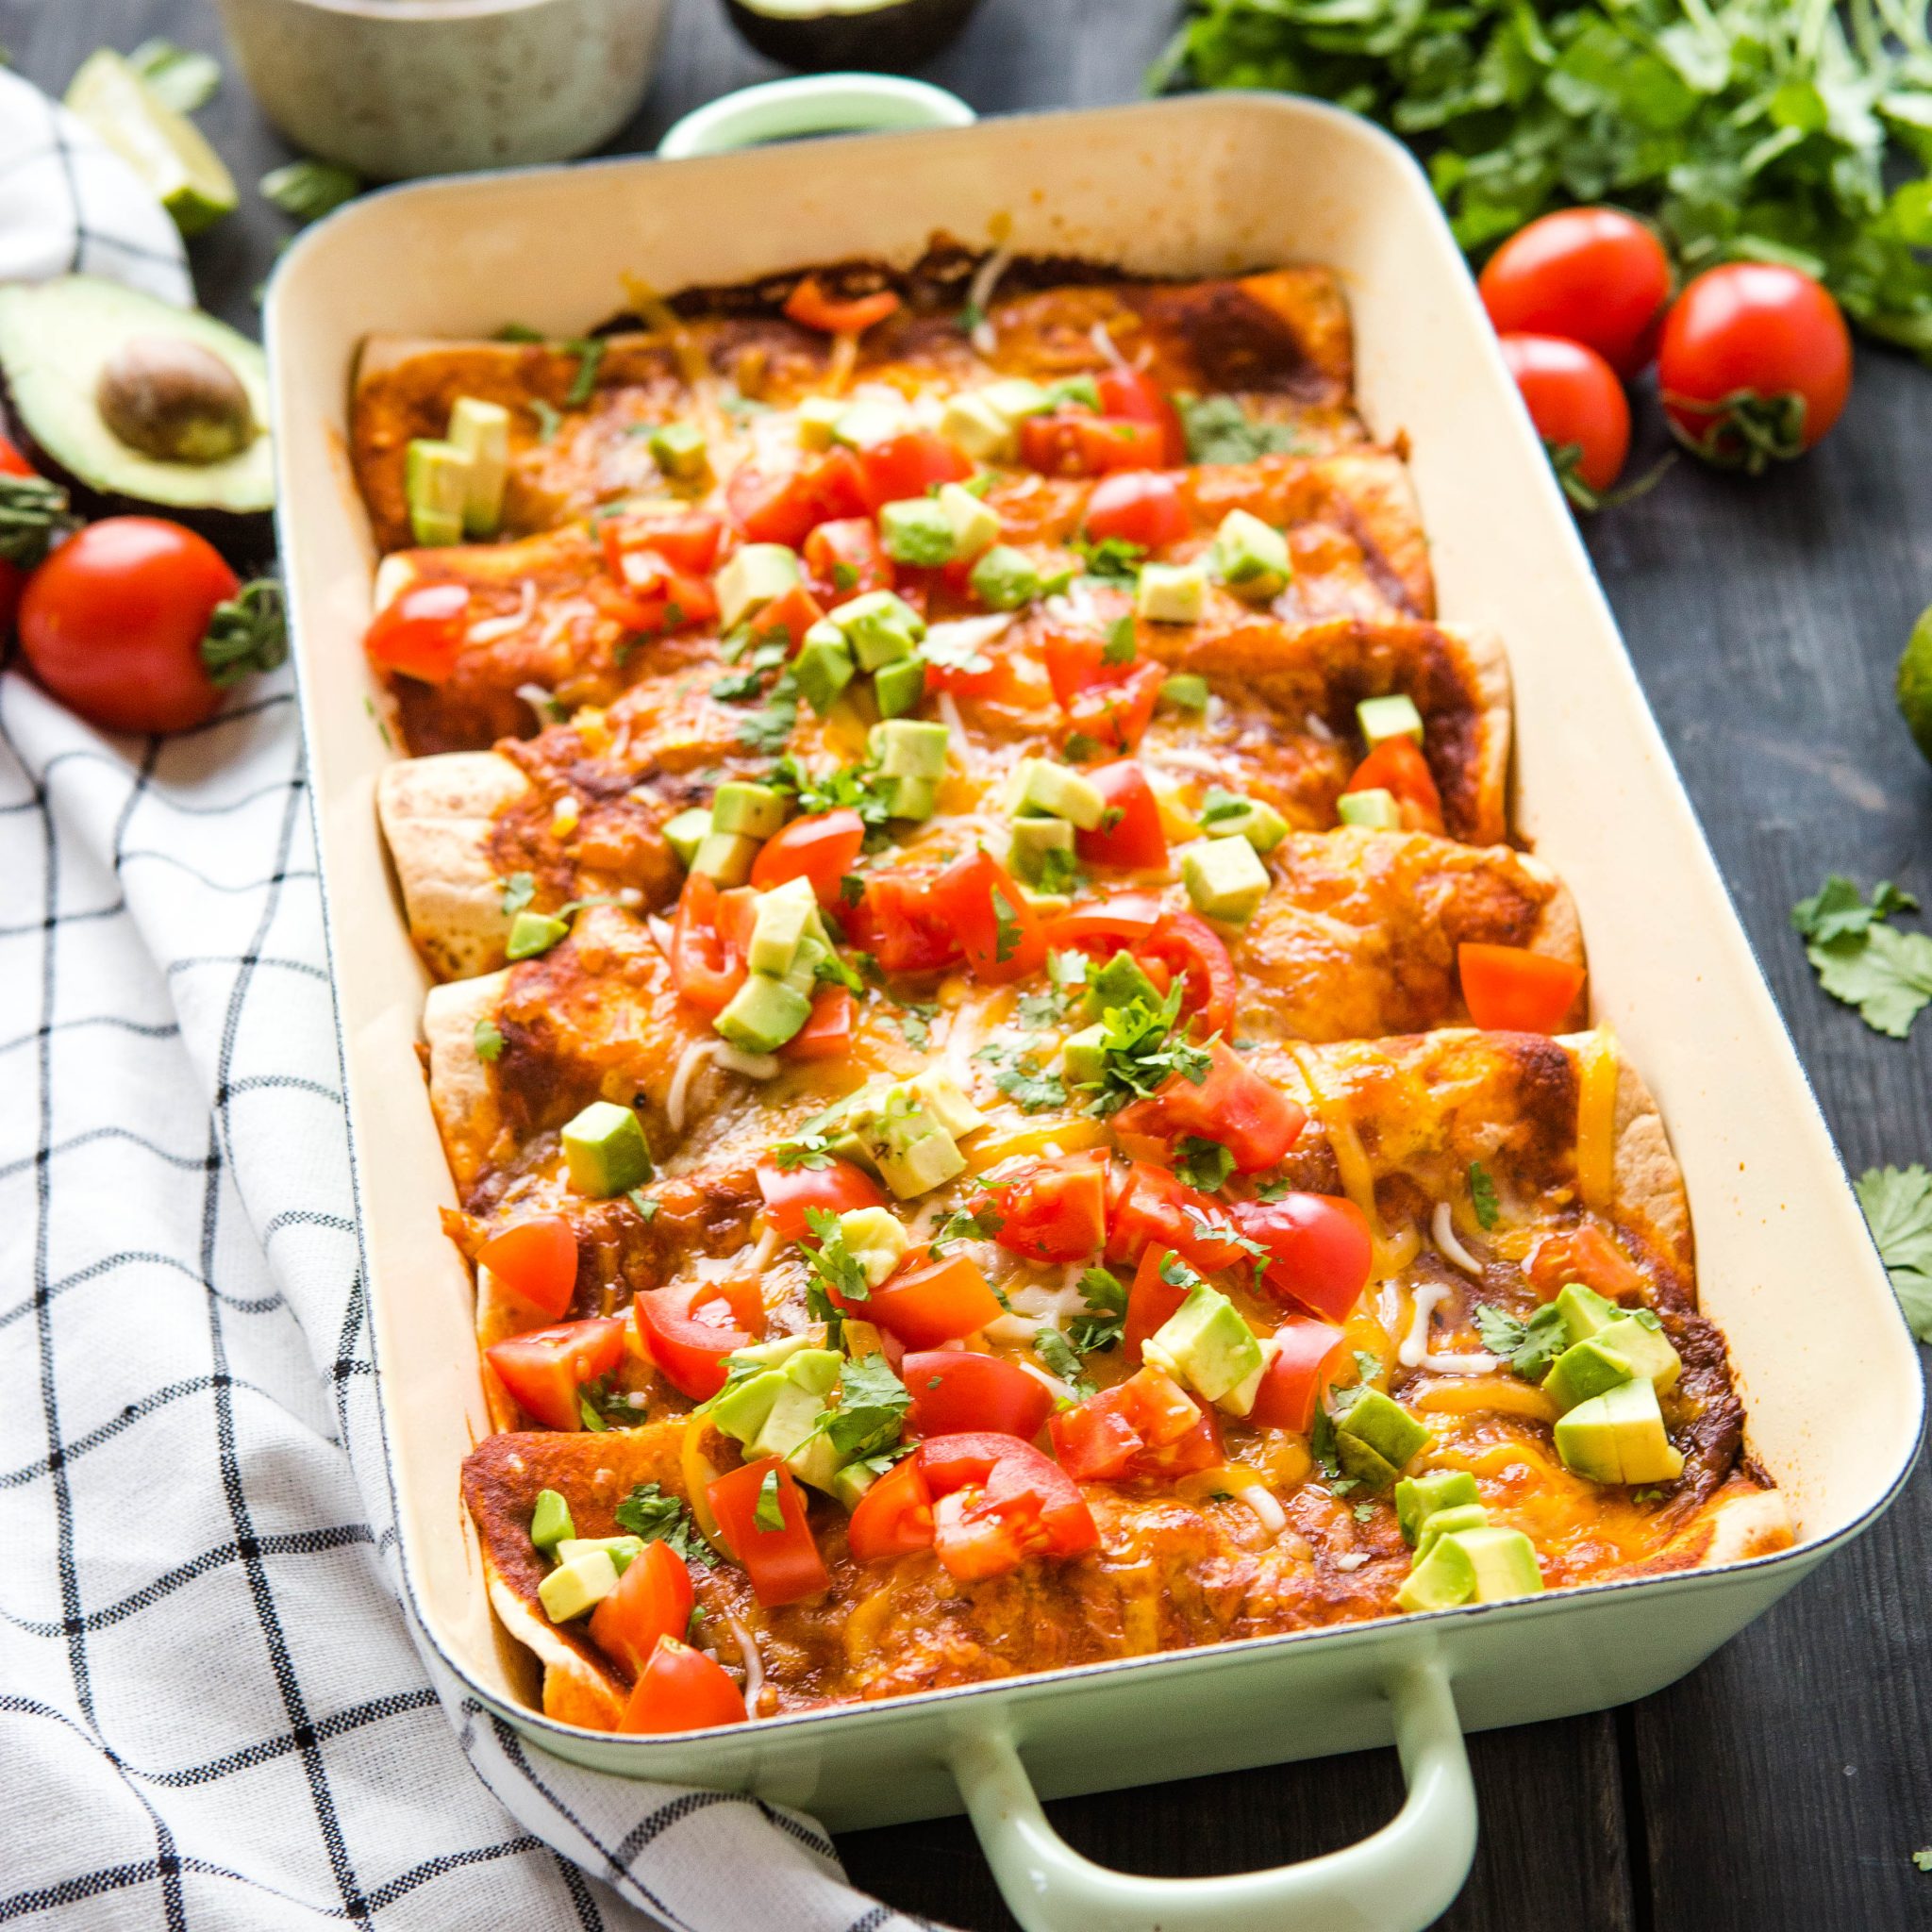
1192	185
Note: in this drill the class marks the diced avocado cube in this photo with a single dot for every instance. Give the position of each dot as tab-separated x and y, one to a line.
1585	1312
1171	593
1228	815
1250	556
910	748
622	1550
904	1136
801	975
1376	1422
912	799
1640	1340
1120	983
725	857
816	1461
1044	787
763	1014
851	1483
970	423
920	1165
815	417
684	833
794	1414
678	449
756	574
1207	1344
897	687
574	1588
1375	810
482	431
605	1150
875	1239
1044	904
1504	1561
814	1369
755	811
550	1520
436	484
1031	841
1058	576
1005	578
917	531
774	1353
940	1095
1016	398
1083	1055
1224	879
1583	1370
824	666
870	420
879	627
531	933
1442	1523
1619	1437
741	1412
1082	390
975	526
1186	690
1382	719
779	924
1441	1581
1418	1497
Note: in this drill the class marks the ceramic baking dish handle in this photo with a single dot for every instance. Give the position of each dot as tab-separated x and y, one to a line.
1400	1880
812	104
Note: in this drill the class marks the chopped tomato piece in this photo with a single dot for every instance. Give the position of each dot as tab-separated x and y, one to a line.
894	1516
1134	395
908	465
652	1599
545	1369
1103	926
1588	1254
1319	1249
536	1260
704	967
794	613
657	596
1511	990
1299	1367
1146	1426
903	922
822	849
997	1501
1074	659
1151	1299
845	559
784	1563
918	920
1130	834
1151	1205
1248	1115
1116	715
838	1188
826	1034
1398	767
421	633
809	307
689	540
1076	442
1141	506
688	1349
786	506
927	1302
681	1690
1056	1210
953	1389
1188	945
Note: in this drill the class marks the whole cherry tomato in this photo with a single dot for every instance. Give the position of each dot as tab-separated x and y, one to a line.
1593	275
138	624
1754	364
1579	411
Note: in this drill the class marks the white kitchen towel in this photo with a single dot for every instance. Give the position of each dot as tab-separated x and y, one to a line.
211	1712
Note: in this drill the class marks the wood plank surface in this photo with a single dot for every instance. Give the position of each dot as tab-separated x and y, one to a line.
1782	1786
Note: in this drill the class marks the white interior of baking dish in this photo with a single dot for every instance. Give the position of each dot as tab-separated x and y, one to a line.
1830	1380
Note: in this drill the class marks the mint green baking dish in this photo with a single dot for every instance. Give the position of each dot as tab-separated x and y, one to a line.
1190	186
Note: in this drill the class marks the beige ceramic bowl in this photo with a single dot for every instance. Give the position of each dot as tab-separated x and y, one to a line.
398	87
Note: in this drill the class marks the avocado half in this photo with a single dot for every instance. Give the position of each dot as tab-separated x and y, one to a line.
54	338
884	36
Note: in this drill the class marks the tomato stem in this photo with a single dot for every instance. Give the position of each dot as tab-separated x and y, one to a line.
246	633
33	513
1744	430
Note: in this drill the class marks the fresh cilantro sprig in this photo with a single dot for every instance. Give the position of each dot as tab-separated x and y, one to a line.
1143	1049
1202	1163
871	1408
1019	1075
1529	1347
1898	1205
980	1225
831	1268
489	1039
1482	1195
1112	560
1104	1321
517	891
857	787
1861	959
769	1515
648	1512
1057	1352
1219	430
803	1150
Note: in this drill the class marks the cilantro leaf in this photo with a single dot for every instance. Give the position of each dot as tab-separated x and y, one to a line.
1204	1164
1020	1078
1057	1352
1006	934
489	1039
1482	1194
1040	1009
1142	1050
518	889
589	353
1898	1206
770	1514
803	1150
832	1265
872	1407
914	1026
648	1512
1838	909
1112	560
1219	430
1119	648
1104	1324
1886	973
1529	1347
979	1226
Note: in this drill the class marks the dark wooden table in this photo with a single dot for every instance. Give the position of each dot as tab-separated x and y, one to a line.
1783	1787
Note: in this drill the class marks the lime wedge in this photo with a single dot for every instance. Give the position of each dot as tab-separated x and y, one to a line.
164	149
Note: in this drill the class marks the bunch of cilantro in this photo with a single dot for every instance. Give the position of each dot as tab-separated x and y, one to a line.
1779	130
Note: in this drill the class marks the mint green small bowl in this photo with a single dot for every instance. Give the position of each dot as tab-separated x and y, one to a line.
812	104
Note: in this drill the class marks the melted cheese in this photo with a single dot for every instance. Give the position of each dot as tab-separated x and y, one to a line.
1357	1181
1596	1118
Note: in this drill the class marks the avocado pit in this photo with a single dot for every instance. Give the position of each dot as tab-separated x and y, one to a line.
173	400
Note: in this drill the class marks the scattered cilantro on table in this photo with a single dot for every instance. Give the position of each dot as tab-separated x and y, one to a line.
1898	1205
1861	959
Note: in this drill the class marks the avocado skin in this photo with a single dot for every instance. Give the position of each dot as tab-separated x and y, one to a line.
894	38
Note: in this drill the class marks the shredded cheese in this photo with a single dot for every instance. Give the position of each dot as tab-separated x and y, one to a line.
766	1252
1596	1118
696	1055
1415	1344
986	278
754	1066
489	630
1358	1182
754	1664
1443	1228
1102	339
660	929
